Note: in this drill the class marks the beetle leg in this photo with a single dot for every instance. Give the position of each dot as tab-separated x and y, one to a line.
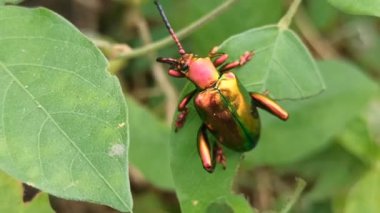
220	157
205	149
221	57
183	110
170	61
175	73
269	105
238	63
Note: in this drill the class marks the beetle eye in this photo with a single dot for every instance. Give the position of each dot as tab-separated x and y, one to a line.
185	67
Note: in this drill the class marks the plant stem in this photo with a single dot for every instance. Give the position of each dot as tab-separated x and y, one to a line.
157	70
181	34
311	34
299	188
287	18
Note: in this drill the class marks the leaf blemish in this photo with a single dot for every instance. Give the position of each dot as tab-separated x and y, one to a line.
195	202
117	150
30	184
121	125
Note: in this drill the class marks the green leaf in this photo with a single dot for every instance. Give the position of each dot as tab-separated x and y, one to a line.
313	122
149	148
11	201
270	69
358	7
357	140
364	195
197	190
63	118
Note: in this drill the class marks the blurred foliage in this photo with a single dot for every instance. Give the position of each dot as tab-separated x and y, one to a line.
12	193
331	140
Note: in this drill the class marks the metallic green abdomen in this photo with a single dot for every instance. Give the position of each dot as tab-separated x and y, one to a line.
229	113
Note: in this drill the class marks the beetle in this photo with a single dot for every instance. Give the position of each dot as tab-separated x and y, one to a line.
228	111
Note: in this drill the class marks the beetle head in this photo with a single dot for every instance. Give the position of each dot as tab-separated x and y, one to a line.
178	67
200	71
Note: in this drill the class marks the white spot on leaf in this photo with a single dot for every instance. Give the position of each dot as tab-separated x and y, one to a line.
117	150
121	125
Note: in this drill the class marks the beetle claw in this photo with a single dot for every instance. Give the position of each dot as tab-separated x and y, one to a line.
220	157
181	119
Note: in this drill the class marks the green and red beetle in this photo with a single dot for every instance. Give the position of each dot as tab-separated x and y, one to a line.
227	109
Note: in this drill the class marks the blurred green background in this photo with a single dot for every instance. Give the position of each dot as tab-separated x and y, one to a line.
332	140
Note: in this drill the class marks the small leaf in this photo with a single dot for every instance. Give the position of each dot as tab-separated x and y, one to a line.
364	195
313	122
362	7
63	118
282	65
11	201
149	148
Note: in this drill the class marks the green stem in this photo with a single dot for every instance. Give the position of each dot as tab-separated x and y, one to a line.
297	193
287	18
181	34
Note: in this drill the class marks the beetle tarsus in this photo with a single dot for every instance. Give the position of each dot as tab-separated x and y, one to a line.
181	119
220	157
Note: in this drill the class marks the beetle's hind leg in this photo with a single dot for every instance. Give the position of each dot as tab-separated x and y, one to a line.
269	105
247	56
183	110
209	152
205	149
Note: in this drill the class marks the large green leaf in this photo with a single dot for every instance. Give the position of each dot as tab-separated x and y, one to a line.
358	7
149	150
364	195
11	201
269	70
63	118
313	122
282	65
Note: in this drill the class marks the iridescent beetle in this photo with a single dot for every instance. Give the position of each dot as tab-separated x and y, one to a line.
227	109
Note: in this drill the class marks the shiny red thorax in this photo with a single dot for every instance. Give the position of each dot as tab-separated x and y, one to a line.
200	71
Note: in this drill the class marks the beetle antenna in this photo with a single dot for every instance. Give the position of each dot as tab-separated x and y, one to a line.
169	27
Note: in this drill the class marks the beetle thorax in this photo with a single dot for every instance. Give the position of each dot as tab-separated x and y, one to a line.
202	72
